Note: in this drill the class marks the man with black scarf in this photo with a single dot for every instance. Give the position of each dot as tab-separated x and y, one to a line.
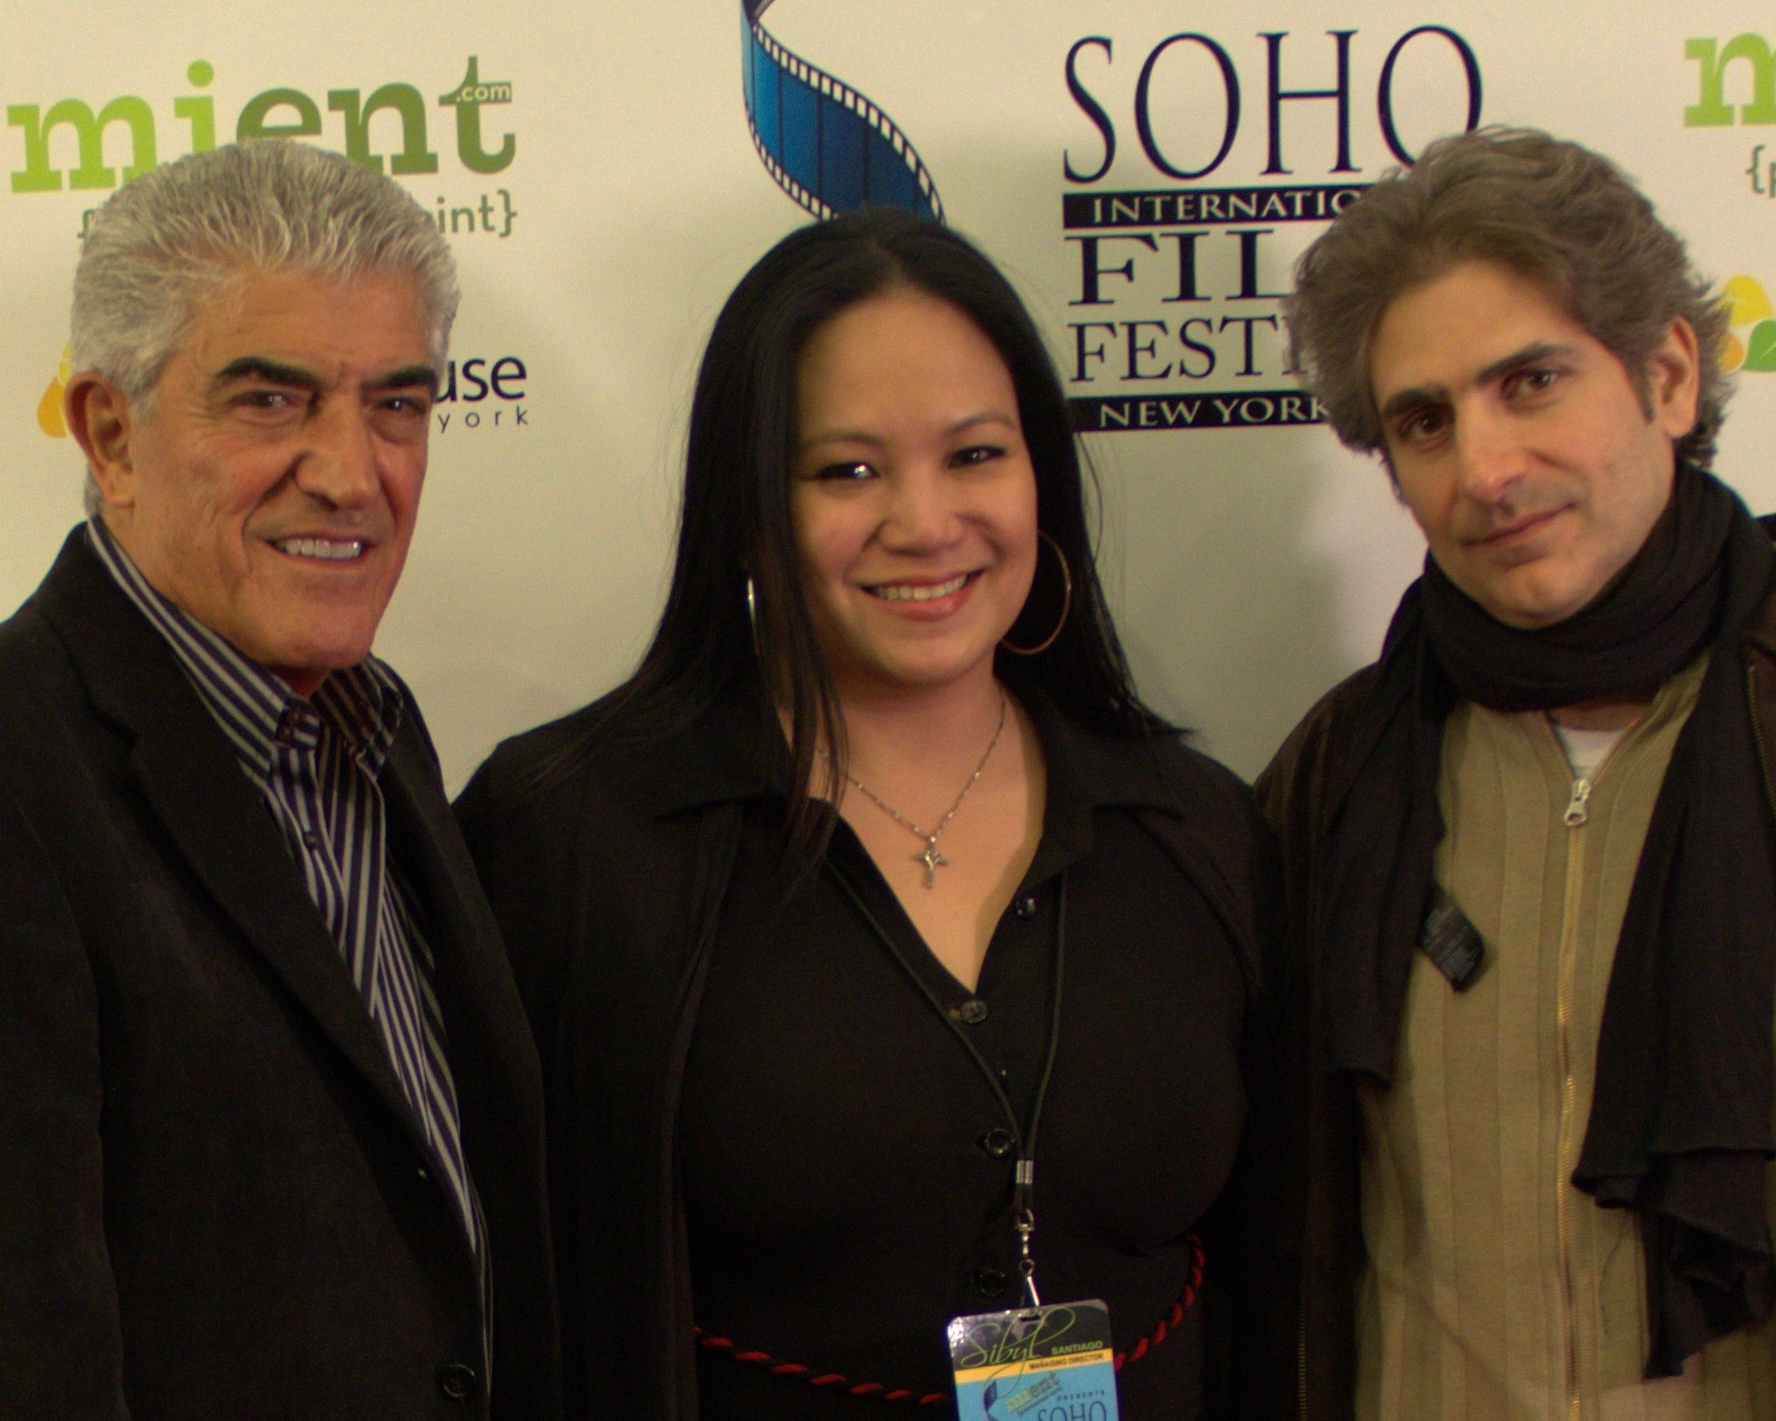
1522	1162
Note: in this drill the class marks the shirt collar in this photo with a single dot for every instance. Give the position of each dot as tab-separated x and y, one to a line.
255	709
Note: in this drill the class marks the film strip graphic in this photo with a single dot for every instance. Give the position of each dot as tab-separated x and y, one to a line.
827	146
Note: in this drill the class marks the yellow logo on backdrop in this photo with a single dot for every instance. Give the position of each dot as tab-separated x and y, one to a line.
49	408
1751	343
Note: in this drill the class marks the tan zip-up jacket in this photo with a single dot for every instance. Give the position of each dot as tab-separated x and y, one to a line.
1495	1288
1351	1235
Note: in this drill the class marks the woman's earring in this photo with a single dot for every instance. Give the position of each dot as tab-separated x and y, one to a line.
1066	604
752	614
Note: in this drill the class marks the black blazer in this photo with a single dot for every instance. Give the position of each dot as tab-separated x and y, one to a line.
607	879
213	1199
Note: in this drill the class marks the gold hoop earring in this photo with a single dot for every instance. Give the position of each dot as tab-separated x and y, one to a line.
752	614
1066	604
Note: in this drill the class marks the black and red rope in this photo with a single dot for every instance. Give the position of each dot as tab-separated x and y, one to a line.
795	1371
1185	1301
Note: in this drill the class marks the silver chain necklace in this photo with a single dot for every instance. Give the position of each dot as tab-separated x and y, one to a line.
931	858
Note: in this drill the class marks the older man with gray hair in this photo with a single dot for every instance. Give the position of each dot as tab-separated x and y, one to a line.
271	1109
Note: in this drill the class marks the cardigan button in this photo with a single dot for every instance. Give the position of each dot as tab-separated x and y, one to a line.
1025	907
989	1282
998	1142
973	1011
457	1381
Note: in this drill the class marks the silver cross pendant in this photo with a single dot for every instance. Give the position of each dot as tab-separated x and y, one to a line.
933	861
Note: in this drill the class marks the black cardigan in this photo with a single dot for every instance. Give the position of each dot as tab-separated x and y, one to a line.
607	882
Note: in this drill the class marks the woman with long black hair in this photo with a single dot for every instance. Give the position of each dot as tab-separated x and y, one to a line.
889	960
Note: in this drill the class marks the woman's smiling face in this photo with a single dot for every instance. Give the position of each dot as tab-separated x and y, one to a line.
914	498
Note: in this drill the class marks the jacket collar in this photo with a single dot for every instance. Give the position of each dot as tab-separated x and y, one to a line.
192	780
361	704
1090	770
1761	632
734	752
731	752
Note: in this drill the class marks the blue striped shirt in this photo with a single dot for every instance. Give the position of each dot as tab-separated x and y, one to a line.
316	762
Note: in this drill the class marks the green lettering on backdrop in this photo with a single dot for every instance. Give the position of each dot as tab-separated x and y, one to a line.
252	118
276	113
403	99
1711	109
39	176
199	109
466	98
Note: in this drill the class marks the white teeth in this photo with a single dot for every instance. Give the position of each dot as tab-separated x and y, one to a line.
323	548
900	592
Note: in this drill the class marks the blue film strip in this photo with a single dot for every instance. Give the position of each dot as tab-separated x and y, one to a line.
828	146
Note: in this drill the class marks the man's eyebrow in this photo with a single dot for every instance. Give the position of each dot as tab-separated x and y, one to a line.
1413	397
405	376
1512	363
1417	396
258	366
261	368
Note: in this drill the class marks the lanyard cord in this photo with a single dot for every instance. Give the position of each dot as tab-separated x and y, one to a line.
1024	1178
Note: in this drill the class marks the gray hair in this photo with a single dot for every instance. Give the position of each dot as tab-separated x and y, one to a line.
162	246
1551	211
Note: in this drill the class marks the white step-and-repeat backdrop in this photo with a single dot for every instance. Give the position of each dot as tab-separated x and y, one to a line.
1146	171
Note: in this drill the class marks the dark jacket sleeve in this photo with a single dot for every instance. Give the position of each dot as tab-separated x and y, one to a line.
1248	1274
513	855
1310	1202
511	861
61	1349
1253	1218
530	846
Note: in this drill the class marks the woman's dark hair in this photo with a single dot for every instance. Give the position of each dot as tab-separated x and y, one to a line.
736	522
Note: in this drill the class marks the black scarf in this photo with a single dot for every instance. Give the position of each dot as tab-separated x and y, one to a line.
1680	1126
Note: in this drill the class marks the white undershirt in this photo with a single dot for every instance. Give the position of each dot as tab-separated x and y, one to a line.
1585	749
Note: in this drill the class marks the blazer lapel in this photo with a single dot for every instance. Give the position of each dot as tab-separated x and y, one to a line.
195	786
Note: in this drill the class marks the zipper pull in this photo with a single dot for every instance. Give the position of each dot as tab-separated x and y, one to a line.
1575	807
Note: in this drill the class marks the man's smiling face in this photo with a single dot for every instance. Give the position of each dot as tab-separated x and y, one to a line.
271	486
1521	443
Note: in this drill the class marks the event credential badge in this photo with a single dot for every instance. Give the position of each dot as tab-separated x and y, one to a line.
1035	1364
